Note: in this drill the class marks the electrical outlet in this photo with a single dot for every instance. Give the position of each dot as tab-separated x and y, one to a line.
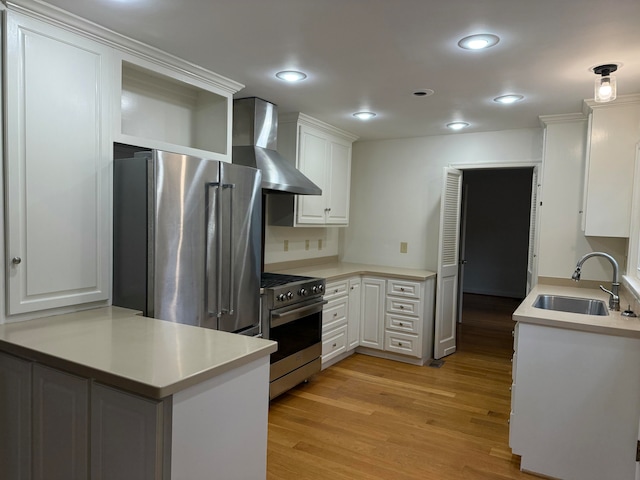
286	245
403	247
306	244
319	244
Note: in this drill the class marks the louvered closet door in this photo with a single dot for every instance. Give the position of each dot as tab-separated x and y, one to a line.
447	281
532	264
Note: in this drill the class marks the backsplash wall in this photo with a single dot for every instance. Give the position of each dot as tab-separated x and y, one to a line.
323	242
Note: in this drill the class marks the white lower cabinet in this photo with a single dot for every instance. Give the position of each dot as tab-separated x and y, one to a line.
334	321
575	408
386	317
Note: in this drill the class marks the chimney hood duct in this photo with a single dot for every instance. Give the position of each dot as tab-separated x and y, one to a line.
255	132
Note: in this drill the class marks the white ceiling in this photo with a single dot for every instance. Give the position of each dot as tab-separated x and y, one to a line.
373	54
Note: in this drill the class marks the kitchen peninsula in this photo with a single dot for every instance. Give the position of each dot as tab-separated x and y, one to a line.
118	395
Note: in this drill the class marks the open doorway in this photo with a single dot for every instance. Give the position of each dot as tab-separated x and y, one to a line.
494	251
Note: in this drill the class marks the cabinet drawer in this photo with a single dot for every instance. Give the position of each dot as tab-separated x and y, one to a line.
514	366
404	343
404	288
402	323
335	289
334	313
334	343
404	306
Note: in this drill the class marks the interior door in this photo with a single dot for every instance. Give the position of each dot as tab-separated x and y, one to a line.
532	264
447	280
462	261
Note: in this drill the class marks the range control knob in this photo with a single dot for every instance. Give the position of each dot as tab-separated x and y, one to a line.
314	289
303	292
289	295
320	288
282	297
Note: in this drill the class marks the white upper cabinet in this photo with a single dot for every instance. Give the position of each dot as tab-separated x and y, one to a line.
72	90
159	106
58	157
323	154
614	133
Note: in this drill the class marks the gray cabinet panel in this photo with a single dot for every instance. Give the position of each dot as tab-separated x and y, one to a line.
15	418
130	436
60	425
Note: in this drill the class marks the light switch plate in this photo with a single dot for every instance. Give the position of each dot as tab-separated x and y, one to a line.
403	247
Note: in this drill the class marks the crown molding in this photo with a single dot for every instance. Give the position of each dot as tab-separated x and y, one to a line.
562	118
73	23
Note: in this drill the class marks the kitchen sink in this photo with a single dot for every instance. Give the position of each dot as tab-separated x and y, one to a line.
585	306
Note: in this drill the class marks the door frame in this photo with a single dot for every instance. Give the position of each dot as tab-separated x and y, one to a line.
535	223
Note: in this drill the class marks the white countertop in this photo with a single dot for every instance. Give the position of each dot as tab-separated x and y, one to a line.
118	347
337	270
612	324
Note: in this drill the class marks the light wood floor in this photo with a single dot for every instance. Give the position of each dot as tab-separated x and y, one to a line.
374	419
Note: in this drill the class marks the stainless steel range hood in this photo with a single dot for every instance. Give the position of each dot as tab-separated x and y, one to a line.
255	134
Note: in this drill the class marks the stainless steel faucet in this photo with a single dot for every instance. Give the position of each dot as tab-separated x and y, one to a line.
614	296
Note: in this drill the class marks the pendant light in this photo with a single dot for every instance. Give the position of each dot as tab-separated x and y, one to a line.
605	88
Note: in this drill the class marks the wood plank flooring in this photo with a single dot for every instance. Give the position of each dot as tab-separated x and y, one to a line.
373	419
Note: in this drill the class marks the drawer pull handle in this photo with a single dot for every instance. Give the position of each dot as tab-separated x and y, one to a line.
402	289
399	344
401	324
335	314
334	345
335	291
401	307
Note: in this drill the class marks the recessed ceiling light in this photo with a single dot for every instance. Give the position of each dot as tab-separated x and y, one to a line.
478	42
364	115
291	76
507	99
457	125
424	92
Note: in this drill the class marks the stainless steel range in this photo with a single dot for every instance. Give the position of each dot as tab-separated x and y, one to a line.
292	316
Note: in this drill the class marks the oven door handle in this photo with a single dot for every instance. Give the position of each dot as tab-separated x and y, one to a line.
278	319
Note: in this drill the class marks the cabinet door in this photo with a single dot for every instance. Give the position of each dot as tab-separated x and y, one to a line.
15	418
611	163
57	165
312	161
372	320
128	436
60	425
338	183
353	317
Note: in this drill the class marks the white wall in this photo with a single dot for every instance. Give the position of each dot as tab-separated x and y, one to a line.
562	241
396	186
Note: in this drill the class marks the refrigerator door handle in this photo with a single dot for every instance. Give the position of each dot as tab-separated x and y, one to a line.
214	207
232	261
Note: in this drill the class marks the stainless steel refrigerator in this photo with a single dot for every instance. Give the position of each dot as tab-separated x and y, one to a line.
187	235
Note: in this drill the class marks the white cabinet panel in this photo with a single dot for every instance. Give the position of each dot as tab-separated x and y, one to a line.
339	183
354	317
614	133
57	164
577	393
372	319
312	160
